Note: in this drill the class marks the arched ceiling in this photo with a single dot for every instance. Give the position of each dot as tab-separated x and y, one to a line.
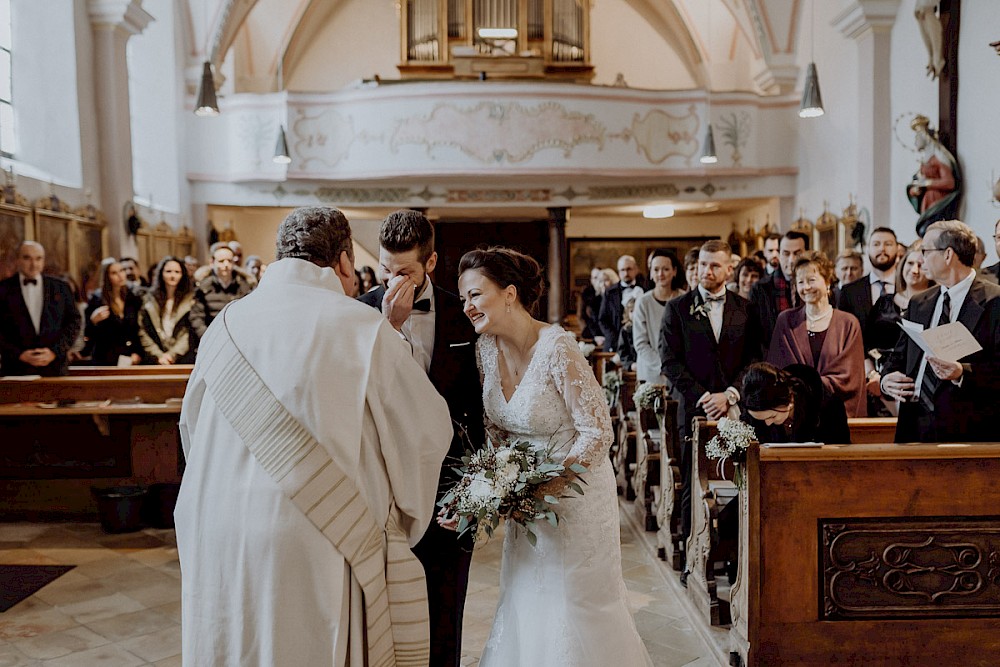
724	44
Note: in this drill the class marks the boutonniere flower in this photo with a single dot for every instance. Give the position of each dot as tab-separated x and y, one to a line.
699	309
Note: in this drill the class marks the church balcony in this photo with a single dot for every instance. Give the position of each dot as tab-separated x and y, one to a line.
496	143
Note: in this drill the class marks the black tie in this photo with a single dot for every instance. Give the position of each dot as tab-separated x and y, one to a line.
931	382
423	305
30	281
721	297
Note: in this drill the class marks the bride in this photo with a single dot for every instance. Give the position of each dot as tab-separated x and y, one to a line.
563	601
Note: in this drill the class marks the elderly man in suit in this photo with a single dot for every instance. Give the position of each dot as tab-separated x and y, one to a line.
38	318
615	298
949	400
776	292
443	343
708	336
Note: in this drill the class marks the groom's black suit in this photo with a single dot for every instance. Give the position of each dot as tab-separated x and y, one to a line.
446	558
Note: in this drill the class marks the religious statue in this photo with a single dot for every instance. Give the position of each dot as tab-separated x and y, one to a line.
933	35
938	182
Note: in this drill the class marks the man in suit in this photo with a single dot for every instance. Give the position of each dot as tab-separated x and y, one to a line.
858	297
615	297
772	253
443	342
949	400
708	336
776	292
39	320
993	271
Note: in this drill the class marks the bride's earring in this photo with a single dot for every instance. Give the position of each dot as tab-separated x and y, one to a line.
508	309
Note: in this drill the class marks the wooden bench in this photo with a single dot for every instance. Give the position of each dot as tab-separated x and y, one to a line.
670	546
624	456
64	435
115	371
898	566
711	490
646	478
872	430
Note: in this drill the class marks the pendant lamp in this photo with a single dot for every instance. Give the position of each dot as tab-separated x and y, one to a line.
708	155
207	104
281	148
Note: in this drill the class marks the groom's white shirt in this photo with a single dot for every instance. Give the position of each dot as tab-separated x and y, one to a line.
260	585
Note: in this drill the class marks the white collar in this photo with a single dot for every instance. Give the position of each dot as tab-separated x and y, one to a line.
293	270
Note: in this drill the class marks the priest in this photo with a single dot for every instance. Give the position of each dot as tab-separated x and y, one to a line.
313	443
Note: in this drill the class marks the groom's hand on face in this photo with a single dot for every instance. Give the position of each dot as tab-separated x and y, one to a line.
397	304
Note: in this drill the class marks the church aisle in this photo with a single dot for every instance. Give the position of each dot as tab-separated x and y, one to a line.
120	605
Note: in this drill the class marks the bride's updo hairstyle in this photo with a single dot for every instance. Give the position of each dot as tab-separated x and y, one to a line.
507	267
766	387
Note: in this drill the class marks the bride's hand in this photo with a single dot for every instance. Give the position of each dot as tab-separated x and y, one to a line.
445	521
554	487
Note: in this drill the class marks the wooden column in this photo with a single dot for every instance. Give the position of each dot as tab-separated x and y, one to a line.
557	271
948	81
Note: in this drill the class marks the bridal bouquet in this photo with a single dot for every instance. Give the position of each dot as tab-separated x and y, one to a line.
731	442
501	482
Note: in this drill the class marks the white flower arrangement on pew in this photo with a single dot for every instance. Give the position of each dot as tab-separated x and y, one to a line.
649	396
502	482
612	384
731	442
586	349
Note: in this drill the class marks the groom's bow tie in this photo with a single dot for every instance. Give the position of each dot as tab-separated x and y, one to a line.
628	285
709	299
422	305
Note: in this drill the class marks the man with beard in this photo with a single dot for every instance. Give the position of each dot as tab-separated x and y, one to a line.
857	298
994	270
771	253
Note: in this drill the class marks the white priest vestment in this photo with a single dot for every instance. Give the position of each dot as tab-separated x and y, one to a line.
260	584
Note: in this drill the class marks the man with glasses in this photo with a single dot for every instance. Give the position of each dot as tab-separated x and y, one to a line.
948	401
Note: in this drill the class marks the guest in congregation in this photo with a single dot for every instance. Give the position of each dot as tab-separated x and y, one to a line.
112	319
886	313
816	334
254	267
191	264
850	266
588	304
772	253
165	318
626	355
775	293
748	273
39	320
708	336
977	262
136	279
443	342
665	269
857	297
994	269
369	280
266	579
790	405
237	249
691	268
221	286
610	316
944	401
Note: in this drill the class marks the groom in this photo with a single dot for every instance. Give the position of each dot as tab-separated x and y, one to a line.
444	343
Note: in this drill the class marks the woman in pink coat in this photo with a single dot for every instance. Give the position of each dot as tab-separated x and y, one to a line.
818	335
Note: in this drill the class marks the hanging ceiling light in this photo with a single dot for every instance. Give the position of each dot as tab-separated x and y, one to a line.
812	101
281	148
708	155
207	104
655	211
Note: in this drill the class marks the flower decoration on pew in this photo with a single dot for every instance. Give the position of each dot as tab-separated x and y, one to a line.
731	442
503	481
649	396
586	349
612	383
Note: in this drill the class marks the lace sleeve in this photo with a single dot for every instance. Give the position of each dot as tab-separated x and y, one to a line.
485	345
575	382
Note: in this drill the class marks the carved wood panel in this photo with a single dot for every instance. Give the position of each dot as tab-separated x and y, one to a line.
909	568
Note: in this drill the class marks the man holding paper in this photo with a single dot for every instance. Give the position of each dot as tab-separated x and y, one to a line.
948	376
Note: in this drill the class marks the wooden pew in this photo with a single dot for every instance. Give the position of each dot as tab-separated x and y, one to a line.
710	492
64	435
114	371
670	546
646	478
898	567
872	430
624	457
598	361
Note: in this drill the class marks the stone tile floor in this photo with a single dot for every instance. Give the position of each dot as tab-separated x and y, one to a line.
120	607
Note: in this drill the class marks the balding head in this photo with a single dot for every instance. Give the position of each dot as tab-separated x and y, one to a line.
628	269
30	259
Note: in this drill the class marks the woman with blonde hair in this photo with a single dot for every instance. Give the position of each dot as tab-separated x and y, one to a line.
818	335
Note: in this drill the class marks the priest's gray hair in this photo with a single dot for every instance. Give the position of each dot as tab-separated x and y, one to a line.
317	234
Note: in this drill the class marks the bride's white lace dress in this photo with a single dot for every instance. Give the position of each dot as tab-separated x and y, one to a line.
563	601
